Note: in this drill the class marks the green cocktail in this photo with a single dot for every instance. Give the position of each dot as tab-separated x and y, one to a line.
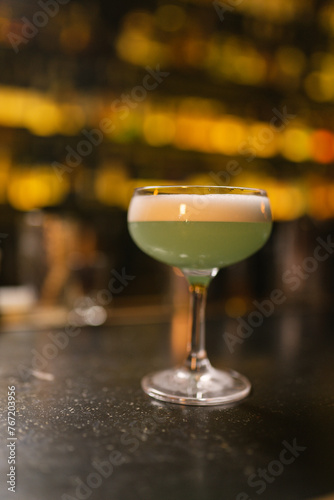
199	244
199	229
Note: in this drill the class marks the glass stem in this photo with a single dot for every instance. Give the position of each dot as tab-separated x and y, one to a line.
196	359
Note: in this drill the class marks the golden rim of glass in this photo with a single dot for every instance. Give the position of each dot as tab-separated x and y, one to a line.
196	189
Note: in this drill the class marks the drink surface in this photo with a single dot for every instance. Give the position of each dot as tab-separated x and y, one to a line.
200	231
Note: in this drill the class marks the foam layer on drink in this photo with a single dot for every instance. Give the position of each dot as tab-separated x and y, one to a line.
195	207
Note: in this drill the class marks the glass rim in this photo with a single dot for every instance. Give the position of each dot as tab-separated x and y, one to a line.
215	189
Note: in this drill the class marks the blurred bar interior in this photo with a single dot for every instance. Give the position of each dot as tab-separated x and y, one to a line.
97	98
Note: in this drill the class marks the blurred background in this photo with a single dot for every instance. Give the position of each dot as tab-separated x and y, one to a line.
97	98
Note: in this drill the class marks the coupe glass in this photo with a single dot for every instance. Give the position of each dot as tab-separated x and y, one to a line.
198	229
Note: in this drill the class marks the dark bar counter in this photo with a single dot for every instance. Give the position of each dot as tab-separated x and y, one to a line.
85	430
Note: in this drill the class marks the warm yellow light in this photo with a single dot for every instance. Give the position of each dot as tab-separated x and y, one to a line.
33	110
35	187
250	67
278	11
319	86
288	201
263	140
12	106
326	62
227	135
136	42
42	116
295	144
134	47
193	124
199	179
236	60
159	128
112	186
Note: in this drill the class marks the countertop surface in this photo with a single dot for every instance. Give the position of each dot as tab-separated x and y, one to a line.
84	428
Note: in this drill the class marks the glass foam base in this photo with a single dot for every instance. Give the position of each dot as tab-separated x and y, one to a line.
204	388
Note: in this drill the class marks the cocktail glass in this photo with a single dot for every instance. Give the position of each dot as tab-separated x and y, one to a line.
199	229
